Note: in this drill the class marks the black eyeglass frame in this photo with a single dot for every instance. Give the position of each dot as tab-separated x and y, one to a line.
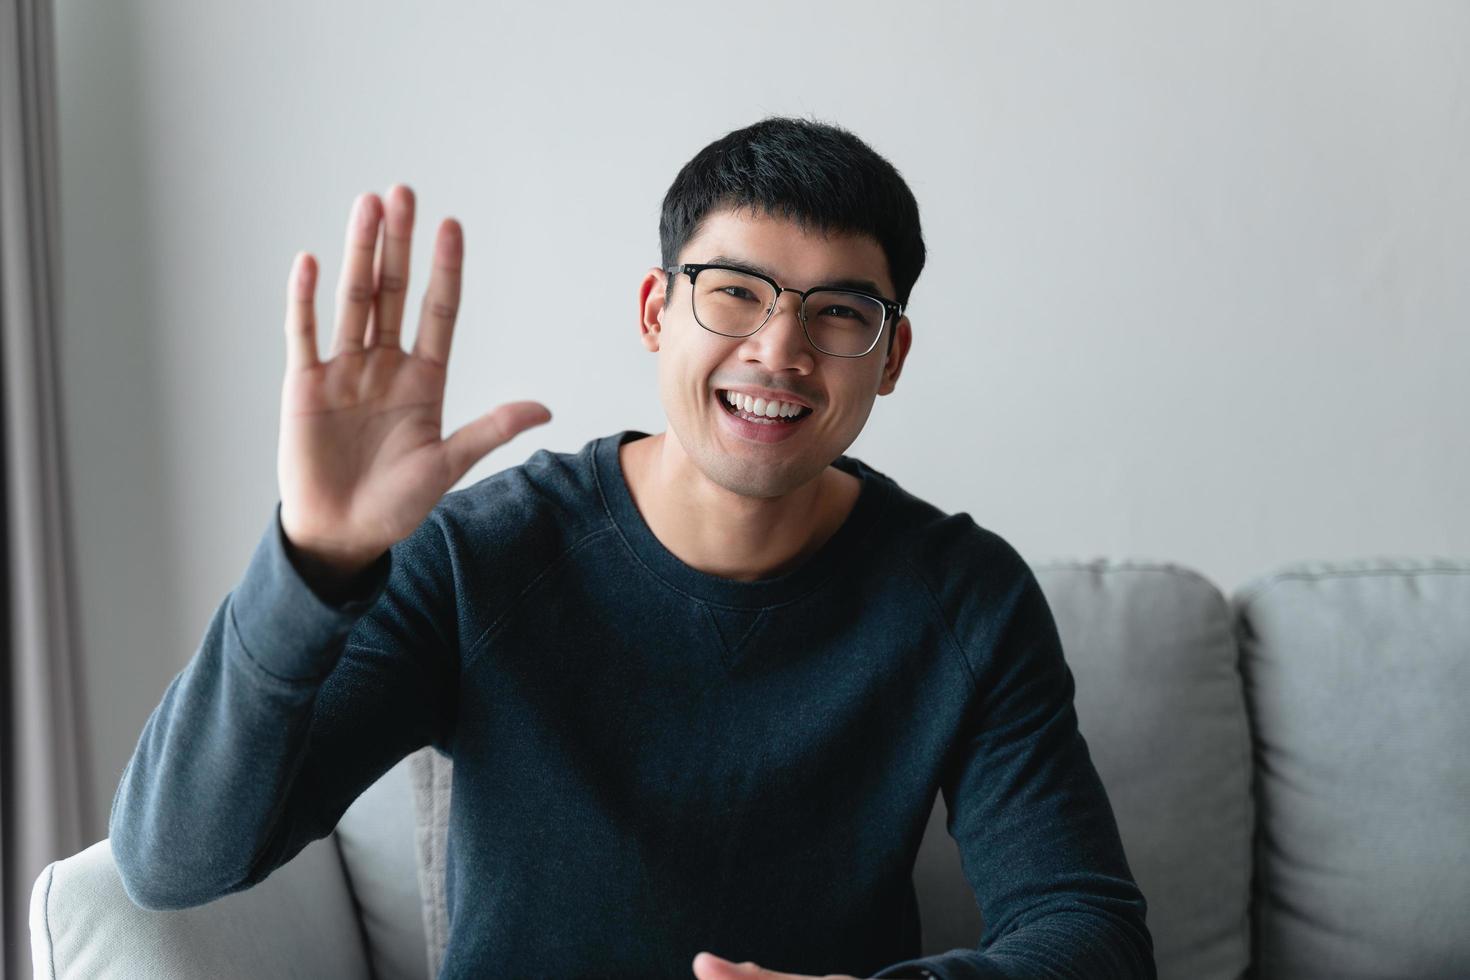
892	310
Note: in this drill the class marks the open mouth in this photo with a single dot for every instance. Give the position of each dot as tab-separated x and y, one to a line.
757	412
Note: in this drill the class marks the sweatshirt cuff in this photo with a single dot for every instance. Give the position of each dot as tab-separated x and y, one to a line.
284	626
956	964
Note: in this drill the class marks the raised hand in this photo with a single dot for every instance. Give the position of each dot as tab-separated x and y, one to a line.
361	462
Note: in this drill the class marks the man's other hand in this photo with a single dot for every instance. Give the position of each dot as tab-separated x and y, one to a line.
708	966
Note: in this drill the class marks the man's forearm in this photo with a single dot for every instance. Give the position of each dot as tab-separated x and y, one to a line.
1085	943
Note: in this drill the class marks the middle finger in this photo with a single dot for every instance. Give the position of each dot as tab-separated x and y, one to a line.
355	285
393	267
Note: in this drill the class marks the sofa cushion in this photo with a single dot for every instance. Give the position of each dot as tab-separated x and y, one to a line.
376	840
431	774
1356	675
1160	702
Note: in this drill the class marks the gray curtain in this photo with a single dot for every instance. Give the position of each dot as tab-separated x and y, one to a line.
42	771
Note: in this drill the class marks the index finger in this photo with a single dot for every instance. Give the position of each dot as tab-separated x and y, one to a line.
441	299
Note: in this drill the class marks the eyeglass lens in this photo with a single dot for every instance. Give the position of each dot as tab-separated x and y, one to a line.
736	304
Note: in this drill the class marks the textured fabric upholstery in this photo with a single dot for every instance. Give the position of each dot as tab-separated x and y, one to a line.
1160	702
1357	676
375	836
431	774
297	923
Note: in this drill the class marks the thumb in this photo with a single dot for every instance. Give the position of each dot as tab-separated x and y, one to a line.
708	966
472	441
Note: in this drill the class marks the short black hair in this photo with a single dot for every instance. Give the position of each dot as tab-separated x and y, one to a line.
817	174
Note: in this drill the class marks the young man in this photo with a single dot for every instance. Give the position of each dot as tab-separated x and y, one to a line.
701	688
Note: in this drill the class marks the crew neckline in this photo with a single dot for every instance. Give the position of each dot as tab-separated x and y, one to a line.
789	585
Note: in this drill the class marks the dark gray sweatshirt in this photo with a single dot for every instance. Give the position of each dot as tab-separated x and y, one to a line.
650	760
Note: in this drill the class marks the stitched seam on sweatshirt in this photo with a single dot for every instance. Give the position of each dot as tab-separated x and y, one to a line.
483	639
295	683
731	652
638	559
954	642
751	629
727	656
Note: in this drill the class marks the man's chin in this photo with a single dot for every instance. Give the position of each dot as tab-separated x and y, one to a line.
755	474
748	469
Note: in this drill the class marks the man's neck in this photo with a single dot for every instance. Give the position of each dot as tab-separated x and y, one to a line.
718	532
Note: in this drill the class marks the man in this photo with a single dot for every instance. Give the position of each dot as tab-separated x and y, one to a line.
701	687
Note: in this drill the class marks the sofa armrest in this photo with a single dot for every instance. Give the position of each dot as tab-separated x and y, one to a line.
299	922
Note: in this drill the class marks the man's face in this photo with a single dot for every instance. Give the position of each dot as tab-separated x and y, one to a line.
696	367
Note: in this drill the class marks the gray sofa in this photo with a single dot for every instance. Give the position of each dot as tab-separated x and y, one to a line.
1288	767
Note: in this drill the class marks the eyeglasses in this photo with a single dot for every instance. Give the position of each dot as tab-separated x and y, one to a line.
736	303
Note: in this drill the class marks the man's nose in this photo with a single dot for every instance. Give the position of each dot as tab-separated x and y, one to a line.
781	342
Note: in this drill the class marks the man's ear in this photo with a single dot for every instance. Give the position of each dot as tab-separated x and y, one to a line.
902	337
651	307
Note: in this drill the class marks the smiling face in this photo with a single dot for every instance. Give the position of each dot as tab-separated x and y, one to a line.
696	367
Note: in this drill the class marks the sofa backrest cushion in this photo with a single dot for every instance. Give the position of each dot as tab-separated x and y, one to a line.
375	838
1160	702
1357	676
431	774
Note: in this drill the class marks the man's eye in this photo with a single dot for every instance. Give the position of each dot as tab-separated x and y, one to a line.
732	290
844	311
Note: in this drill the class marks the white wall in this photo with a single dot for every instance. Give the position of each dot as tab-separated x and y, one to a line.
1197	288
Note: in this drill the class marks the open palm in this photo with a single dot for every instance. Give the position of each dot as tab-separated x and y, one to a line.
361	462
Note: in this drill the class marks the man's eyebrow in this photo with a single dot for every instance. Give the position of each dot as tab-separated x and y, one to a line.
864	285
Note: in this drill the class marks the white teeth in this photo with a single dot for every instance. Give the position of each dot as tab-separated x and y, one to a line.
759	406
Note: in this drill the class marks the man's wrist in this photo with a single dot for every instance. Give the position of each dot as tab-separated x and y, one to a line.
335	580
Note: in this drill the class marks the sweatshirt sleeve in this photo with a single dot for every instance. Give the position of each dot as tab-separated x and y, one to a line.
1037	836
288	710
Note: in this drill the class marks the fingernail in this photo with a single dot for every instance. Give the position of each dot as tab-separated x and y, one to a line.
305	275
